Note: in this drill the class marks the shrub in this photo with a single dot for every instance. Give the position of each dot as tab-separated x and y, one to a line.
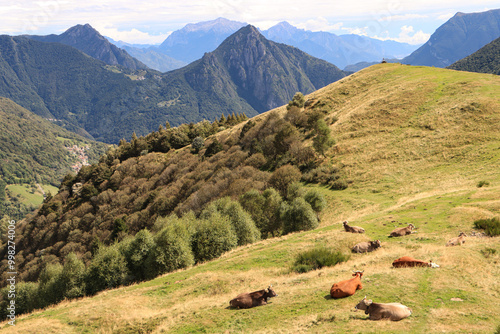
213	237
317	258
136	253
214	148
50	288
27	298
294	191
264	209
490	226
315	199
73	277
241	221
323	139
482	184
298	216
108	269
298	100
283	177
172	249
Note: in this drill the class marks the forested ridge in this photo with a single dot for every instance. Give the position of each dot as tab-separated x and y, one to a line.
204	190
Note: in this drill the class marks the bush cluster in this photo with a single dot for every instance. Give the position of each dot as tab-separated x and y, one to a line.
490	226
318	258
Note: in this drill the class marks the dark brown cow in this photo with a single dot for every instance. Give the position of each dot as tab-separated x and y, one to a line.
406	261
352	229
252	299
366	246
400	231
348	287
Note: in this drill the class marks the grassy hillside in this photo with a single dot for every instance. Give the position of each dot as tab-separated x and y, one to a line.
417	143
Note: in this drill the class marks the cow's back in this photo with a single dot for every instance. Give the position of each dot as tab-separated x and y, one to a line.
345	288
390	311
407	261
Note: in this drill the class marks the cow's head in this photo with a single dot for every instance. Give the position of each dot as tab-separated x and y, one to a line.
345	222
433	265
411	226
358	273
375	244
363	304
270	292
462	234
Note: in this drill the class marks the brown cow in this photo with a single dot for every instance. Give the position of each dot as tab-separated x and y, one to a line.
252	299
352	229
378	311
348	287
366	246
400	231
457	240
406	261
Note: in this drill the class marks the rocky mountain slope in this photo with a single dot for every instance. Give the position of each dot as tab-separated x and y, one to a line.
91	42
460	36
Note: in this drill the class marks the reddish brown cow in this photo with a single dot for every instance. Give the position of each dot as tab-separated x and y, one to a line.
406	261
348	287
252	299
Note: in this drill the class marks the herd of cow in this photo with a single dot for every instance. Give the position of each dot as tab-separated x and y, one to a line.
346	288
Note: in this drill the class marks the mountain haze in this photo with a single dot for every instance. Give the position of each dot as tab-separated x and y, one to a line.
191	42
340	50
459	37
91	42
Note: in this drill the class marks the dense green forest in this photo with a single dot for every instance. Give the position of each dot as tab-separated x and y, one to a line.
485	60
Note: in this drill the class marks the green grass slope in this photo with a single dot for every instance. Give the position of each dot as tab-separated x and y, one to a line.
415	142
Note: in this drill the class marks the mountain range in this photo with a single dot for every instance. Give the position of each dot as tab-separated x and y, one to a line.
195	39
459	37
245	74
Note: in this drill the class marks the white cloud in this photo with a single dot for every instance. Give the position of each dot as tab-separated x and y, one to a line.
445	17
407	35
319	24
404	17
133	36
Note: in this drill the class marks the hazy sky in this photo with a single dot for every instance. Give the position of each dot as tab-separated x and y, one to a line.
150	22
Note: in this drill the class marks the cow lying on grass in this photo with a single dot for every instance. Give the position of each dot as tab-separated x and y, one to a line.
252	299
401	231
457	240
378	311
348	287
366	246
406	261
352	229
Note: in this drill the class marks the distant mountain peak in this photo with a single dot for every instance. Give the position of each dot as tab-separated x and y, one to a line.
88	40
219	25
